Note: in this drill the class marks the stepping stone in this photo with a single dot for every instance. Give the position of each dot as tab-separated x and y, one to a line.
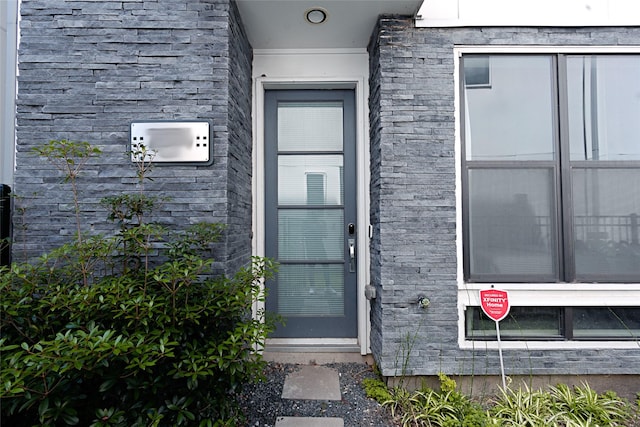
312	383
309	422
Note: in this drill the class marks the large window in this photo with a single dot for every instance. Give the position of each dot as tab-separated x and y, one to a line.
557	323
551	168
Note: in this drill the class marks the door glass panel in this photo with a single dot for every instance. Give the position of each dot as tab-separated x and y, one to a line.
604	107
511	225
508	108
606	208
304	126
310	179
310	235
311	290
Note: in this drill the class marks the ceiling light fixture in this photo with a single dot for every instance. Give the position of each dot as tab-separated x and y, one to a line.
316	15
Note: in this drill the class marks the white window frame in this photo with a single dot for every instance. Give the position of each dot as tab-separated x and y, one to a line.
532	294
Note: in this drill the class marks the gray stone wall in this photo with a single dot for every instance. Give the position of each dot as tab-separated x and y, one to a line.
413	205
87	69
239	168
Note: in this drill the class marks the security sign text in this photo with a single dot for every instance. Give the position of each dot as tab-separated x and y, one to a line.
494	303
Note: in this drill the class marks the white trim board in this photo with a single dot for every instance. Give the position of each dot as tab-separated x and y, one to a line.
9	34
530	13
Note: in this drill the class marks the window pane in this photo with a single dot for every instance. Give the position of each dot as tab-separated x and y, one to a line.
604	107
606	208
522	322
313	126
511	223
477	71
512	117
310	234
310	180
611	322
311	290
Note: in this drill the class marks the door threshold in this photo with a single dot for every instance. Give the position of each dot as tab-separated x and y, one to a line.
313	351
314	356
302	348
320	345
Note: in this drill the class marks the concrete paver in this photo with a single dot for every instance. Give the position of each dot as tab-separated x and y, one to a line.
309	422
312	383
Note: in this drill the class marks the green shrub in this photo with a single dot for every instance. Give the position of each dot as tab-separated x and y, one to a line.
523	407
172	345
446	408
131	330
376	389
426	407
560	406
584	406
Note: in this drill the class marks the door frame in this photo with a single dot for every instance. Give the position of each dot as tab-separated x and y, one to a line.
310	80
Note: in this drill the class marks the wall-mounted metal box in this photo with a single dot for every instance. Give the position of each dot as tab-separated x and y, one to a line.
172	142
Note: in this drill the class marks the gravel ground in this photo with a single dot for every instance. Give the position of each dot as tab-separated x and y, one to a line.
262	403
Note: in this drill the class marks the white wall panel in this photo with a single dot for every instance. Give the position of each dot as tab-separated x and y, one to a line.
462	13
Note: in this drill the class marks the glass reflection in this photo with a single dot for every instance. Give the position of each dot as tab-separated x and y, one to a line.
606	223
604	107
522	322
509	108
511	227
310	180
610	322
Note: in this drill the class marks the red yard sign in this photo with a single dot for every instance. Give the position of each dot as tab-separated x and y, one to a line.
495	303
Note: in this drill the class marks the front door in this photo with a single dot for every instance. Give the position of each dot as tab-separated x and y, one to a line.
310	212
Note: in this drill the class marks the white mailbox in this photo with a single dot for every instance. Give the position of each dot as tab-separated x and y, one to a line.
172	142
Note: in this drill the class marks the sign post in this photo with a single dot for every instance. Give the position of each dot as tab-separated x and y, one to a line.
495	304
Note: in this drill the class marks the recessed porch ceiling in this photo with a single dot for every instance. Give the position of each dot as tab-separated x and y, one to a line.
281	24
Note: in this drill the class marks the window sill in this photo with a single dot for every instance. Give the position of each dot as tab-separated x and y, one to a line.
549	345
555	294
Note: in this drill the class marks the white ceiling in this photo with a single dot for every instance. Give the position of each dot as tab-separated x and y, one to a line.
281	24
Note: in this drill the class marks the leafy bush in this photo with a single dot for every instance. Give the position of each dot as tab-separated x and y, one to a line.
584	406
559	406
446	408
427	407
376	389
170	347
523	407
130	330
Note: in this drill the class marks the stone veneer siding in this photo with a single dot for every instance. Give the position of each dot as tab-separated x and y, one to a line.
413	205
88	68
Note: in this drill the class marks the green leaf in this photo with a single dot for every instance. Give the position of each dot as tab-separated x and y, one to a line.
71	419
107	385
43	407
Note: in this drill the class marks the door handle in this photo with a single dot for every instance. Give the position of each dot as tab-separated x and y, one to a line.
352	255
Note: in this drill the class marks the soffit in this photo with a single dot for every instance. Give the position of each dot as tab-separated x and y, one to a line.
281	24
